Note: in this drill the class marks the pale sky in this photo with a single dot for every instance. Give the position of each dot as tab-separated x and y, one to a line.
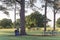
49	15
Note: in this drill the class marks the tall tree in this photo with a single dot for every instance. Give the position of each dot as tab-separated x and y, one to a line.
22	17
45	15
56	8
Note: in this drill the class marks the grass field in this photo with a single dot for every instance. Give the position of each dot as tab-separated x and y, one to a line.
8	34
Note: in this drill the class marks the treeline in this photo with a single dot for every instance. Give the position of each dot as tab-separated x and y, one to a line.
6	23
35	19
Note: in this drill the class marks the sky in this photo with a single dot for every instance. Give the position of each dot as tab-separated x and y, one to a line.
49	14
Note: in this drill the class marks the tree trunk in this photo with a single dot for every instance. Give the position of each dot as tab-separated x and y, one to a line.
15	15
45	15
22	18
54	17
54	20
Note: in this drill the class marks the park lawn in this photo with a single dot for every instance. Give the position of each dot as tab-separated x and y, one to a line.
8	34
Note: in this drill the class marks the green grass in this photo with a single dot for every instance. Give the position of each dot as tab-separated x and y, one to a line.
8	34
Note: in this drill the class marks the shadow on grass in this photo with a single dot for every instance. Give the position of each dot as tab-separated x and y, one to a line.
42	35
31	35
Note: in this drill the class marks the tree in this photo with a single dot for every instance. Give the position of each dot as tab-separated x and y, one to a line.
35	20
56	9
45	15
58	22
22	17
6	23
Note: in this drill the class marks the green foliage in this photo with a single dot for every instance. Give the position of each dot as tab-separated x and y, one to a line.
6	23
35	20
58	22
2	8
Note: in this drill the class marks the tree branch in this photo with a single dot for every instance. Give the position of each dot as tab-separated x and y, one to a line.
18	1
49	1
57	10
34	5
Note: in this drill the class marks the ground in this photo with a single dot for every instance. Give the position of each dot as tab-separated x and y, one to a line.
8	34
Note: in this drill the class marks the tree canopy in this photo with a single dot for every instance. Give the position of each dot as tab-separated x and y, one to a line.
58	22
6	23
36	19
